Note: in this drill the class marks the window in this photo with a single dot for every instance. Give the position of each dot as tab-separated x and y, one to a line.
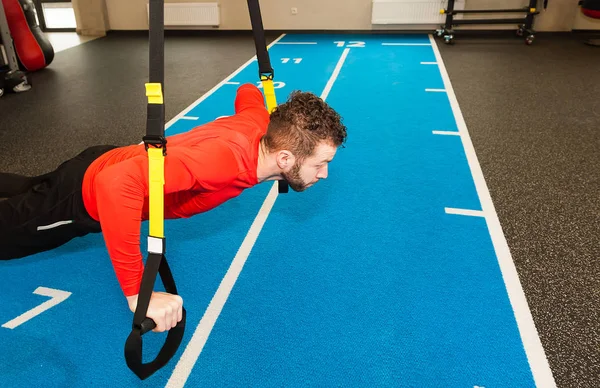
55	15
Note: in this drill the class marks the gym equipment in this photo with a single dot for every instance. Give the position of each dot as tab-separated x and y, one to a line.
591	8
525	25
156	147
12	79
34	51
15	81
265	71
156	262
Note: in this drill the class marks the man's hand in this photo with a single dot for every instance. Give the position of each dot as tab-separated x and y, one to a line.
164	309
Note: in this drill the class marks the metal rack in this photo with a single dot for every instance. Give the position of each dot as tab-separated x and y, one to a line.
525	24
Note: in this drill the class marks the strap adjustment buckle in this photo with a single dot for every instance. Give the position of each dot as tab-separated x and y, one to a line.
155	141
267	76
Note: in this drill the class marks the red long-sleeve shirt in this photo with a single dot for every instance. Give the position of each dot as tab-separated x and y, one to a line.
204	167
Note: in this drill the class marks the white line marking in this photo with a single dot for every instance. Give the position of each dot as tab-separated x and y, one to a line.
465	212
194	347
429	63
406	44
540	368
450	133
335	74
54	225
189	118
296	42
57	296
216	87
436	90
231	83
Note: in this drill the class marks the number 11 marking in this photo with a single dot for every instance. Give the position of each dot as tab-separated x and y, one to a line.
57	296
286	60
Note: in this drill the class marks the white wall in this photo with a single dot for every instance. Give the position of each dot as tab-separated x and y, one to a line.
561	15
91	17
276	14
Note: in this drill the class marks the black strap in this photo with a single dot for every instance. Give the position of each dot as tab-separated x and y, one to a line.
262	54
265	71
155	124
156	262
141	324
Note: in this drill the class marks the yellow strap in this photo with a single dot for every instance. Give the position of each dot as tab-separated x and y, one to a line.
156	191
154	93
156	172
269	91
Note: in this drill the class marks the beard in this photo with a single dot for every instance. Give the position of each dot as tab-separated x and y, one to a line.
294	179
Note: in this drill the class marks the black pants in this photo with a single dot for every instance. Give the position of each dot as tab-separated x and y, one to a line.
44	212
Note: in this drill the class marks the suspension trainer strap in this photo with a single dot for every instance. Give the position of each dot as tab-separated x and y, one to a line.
156	146
264	63
265	71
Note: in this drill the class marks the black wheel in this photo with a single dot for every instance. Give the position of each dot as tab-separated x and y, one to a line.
1	92
16	81
529	40
22	87
520	32
449	39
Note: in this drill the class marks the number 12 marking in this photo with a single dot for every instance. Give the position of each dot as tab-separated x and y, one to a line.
57	296
350	44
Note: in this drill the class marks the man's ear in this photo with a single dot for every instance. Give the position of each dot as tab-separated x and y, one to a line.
285	159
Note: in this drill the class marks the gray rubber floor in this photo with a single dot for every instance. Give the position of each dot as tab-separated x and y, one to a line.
533	113
95	94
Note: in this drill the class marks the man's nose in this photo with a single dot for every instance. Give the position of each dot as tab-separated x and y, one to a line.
323	172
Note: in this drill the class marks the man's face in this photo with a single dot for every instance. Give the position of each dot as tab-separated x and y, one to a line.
304	175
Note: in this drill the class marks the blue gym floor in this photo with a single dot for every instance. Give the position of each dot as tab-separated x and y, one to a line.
393	272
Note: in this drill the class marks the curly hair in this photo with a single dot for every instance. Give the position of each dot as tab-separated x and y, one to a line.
300	123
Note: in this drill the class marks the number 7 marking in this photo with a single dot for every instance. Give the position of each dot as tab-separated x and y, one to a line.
57	296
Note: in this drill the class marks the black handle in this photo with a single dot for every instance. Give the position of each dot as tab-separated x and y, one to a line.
147	325
133	348
283	187
156	263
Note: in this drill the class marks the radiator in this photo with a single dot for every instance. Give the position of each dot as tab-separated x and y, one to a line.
190	14
411	11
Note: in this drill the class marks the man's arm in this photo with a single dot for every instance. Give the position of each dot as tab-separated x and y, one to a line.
250	97
122	189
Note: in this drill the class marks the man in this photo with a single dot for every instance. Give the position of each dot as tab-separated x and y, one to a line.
105	188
